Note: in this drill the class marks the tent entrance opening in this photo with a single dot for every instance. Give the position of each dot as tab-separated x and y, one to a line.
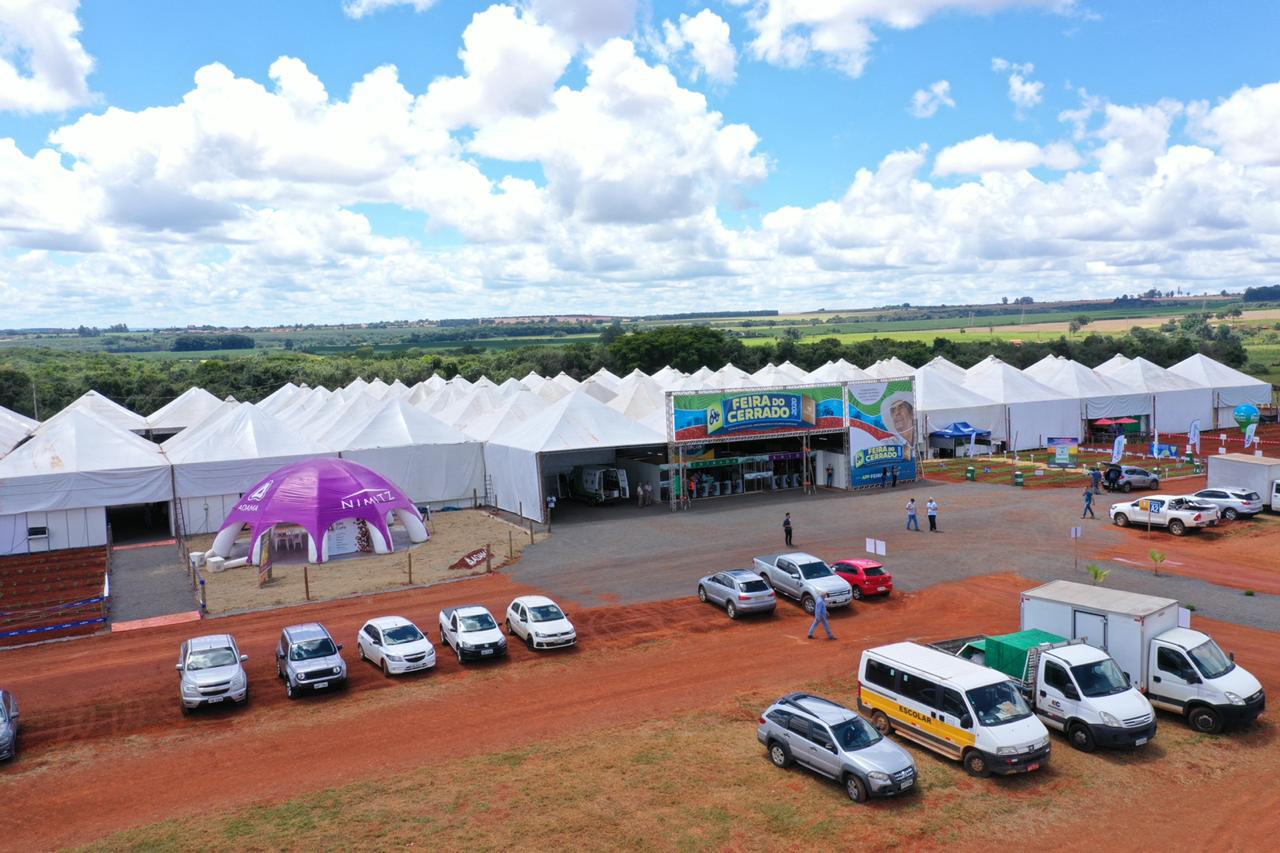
134	523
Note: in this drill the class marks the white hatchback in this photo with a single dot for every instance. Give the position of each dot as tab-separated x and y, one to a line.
540	622
396	645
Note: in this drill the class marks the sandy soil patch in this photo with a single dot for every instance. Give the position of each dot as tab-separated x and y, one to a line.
453	535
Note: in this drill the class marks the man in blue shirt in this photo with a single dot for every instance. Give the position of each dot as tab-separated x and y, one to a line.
1088	503
820	617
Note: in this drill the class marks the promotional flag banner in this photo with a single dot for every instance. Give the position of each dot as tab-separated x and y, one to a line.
1117	450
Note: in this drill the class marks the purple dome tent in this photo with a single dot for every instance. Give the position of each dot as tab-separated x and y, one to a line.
314	494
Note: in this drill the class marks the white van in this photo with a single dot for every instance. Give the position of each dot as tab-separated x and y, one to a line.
951	706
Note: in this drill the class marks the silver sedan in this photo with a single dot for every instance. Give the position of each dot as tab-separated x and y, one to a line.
737	591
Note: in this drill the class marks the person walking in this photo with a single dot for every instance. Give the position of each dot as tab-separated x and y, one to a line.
893	472
932	509
913	523
820	617
1088	503
884	477
786	528
831	475
1095	477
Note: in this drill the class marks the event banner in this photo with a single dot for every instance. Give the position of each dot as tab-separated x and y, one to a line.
882	431
1066	452
722	415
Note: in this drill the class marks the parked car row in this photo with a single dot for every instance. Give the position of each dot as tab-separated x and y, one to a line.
308	658
799	576
1089	662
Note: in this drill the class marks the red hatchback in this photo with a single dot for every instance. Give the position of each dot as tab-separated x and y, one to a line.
867	577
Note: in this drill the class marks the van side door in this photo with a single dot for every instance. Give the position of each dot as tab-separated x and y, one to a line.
1173	679
952	709
920	698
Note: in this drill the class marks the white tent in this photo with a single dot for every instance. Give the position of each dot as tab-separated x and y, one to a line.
1099	396
434	382
565	381
796	374
216	462
732	376
941	400
18	417
667	377
519	406
378	388
1116	361
640	399
511	385
1177	401
422	394
772	375
277	398
839	371
484	382
551	391
577	430
890	368
1230	387
606	378
1033	412
946	368
429	460
187	409
533	381
103	409
14	428
472	405
600	390
398	388
64	479
356	385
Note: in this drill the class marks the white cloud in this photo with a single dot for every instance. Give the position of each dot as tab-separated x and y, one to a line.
926	102
1023	91
591	22
1244	125
984	154
43	66
706	38
790	32
1134	137
360	8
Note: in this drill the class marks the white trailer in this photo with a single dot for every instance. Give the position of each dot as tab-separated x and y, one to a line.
1259	474
1150	638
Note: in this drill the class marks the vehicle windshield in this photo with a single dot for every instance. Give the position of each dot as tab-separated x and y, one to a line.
482	622
312	649
401	634
874	572
1101	678
813	571
754	586
210	658
997	704
1210	660
855	733
545	613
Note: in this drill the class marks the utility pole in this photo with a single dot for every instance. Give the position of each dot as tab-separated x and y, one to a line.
35	404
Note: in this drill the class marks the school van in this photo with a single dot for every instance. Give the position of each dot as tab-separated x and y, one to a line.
959	709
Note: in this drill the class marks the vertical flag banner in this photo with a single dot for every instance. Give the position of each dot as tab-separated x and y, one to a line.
1117	450
882	431
1193	437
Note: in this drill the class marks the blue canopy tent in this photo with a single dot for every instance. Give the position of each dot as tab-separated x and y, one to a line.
960	439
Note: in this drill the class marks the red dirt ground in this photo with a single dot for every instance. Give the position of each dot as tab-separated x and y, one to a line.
106	748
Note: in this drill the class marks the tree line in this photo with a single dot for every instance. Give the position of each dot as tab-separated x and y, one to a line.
47	379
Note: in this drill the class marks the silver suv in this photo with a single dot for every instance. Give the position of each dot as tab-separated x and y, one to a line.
212	672
834	741
1126	478
307	658
1232	501
8	725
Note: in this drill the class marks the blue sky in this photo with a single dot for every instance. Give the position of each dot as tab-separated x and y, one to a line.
768	226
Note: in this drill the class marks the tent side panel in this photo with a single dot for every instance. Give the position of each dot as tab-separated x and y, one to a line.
430	473
514	473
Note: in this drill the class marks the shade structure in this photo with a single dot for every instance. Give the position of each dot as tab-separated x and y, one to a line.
14	428
1230	387
1034	412
1099	395
1177	402
960	429
941	399
890	368
105	410
186	410
520	405
839	371
640	398
315	494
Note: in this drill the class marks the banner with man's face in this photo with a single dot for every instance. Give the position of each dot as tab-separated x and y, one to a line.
882	431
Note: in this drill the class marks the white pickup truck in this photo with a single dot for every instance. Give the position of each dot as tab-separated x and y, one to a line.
804	577
471	631
1178	514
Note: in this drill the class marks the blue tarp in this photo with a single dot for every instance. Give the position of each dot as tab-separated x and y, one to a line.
960	429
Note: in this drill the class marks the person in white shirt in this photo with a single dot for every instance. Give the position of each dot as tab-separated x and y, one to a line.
931	508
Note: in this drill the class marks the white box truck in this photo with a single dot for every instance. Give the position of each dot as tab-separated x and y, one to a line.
1150	638
1259	474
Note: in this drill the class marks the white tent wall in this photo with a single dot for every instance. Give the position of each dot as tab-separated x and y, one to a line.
84	490
429	474
1127	405
1030	424
67	528
840	468
1225	401
1175	410
205	514
517	487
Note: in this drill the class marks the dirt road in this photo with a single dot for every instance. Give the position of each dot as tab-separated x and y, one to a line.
107	749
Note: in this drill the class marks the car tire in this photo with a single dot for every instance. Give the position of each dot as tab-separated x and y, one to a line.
459	656
1126	487
1081	738
808	604
730	609
1120	520
186	712
245	700
1155	484
510	633
444	640
702	594
975	764
857	592
779	755
1205	720
881	721
386	672
1177	528
289	690
528	641
1230	514
855	788
360	652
